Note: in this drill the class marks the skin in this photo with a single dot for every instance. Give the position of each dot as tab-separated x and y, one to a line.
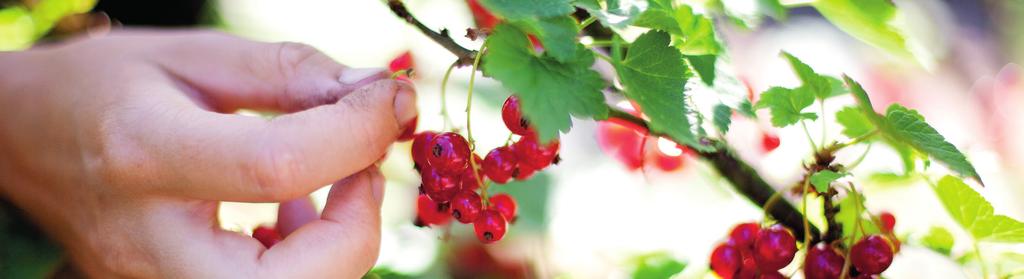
121	146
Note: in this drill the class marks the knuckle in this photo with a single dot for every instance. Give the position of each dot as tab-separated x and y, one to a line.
275	170
292	55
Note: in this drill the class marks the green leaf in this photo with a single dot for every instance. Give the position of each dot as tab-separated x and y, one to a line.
786	105
855	123
722	118
870	21
822	179
907	126
851	211
694	34
654	76
549	91
656	266
863	102
812	81
772	8
704	65
838	88
520	9
939	240
615	13
558	34
975	214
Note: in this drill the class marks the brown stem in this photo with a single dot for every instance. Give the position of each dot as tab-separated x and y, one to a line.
465	56
743	177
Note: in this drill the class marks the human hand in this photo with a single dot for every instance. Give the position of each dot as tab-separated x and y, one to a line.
121	148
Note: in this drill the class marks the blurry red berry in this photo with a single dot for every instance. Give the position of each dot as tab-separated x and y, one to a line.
466	206
449	154
421	148
432	213
726	261
769	142
504	204
440	188
774	248
744	235
872	254
888	221
266	235
512	115
500	164
483	18
823	262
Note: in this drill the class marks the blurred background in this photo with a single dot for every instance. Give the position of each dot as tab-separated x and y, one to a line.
600	213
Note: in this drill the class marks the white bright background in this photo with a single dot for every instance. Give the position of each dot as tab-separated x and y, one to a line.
602	215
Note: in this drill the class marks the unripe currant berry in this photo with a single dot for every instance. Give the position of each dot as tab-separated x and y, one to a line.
267	235
823	262
449	154
421	148
431	213
490	226
726	260
440	188
466	206
512	115
505	205
470	180
888	221
769	142
774	248
872	254
743	235
500	164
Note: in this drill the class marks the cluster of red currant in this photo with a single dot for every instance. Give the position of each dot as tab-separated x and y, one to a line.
753	252
636	148
451	175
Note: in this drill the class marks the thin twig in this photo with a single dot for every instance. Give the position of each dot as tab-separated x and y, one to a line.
464	55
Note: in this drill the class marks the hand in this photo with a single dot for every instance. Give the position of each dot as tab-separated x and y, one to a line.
121	147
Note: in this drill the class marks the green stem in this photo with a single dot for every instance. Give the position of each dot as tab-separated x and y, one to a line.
469	127
604	57
807	224
858	139
981	261
859	159
824	124
587	22
444	103
808	134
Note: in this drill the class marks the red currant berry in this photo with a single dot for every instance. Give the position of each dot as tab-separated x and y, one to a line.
500	164
466	206
513	117
749	268
872	254
483	18
769	142
529	151
888	221
823	262
470	180
440	188
432	213
449	153
743	235
771	275
400	63
421	148
504	204
623	141
408	129
774	248
489	226
726	261
266	235
523	172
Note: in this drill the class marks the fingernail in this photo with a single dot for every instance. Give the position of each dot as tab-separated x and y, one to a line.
362	76
405	104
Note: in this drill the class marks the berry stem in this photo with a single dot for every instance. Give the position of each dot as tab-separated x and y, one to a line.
803	201
981	261
824	124
859	159
469	128
444	102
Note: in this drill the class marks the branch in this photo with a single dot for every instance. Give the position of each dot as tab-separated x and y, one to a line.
465	56
743	177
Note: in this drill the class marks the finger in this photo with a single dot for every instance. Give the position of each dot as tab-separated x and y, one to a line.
343	243
230	73
294	213
215	156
